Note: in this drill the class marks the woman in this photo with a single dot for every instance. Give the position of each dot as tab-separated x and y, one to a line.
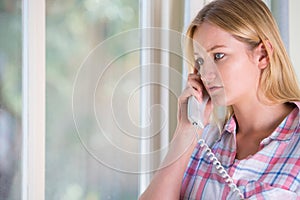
259	144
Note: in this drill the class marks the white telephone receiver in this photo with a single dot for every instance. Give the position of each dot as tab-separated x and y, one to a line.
195	113
195	110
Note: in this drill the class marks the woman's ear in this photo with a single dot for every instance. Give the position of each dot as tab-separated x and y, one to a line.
262	55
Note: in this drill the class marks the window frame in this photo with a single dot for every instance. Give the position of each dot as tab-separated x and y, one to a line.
33	99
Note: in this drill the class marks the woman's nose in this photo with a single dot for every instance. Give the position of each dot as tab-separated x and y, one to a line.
208	76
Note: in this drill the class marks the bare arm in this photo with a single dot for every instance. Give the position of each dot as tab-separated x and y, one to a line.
167	180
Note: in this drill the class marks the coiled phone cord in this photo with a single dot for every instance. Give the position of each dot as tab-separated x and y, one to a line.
221	170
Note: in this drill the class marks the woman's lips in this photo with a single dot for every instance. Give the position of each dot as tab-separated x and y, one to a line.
213	89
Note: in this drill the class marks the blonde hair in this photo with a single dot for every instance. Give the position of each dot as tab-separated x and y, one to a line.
251	22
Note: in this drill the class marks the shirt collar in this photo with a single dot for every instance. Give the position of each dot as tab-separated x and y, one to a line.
283	132
231	125
288	126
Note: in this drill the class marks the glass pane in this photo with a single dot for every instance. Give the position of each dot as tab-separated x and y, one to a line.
10	99
88	56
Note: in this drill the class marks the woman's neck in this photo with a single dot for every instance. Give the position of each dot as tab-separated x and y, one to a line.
256	117
256	121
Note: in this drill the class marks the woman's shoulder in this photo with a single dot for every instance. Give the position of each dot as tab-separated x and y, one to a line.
296	104
294	116
291	124
289	129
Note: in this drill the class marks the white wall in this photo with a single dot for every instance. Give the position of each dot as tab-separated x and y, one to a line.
294	50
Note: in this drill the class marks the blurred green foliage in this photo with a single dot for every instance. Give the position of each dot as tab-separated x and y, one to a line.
73	29
11	56
10	99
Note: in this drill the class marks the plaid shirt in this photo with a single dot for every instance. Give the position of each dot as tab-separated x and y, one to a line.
272	173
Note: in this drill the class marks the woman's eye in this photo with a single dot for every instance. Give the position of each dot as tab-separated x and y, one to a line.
218	56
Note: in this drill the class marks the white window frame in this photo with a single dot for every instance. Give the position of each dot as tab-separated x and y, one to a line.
33	98
150	16
157	13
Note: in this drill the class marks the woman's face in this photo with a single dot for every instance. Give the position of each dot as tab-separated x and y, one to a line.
230	71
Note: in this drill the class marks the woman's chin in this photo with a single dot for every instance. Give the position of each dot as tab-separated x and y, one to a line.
219	100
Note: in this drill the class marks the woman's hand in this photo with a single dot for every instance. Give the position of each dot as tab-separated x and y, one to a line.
194	88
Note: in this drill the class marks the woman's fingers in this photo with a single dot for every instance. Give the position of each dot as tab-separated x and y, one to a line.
187	92
195	82
195	88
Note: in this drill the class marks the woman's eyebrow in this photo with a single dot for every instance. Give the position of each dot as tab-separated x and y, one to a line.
211	49
215	47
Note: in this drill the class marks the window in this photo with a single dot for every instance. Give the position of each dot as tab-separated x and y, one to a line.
78	77
85	62
10	99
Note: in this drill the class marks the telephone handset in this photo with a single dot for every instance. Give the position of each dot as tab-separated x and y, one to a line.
196	111
196	117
